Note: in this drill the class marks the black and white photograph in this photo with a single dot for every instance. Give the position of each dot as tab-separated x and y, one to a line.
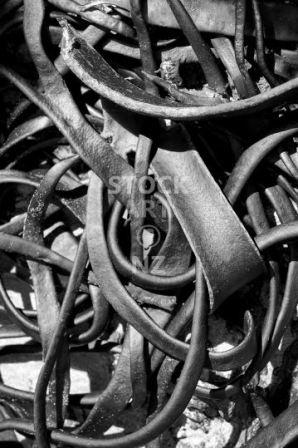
148	223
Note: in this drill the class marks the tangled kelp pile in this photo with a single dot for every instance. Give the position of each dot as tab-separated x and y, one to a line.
156	140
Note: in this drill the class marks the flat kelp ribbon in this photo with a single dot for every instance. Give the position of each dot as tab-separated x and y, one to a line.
219	240
97	74
45	291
